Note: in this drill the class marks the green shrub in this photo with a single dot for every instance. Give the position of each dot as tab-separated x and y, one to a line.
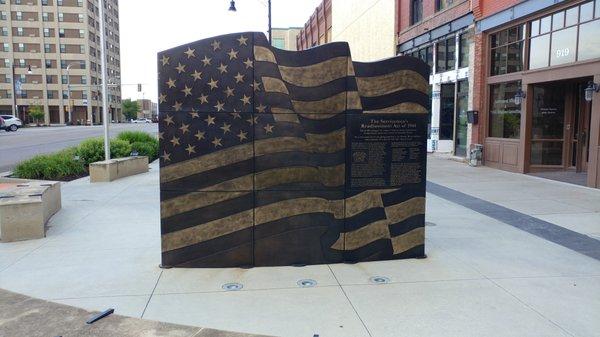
92	150
142	142
136	136
149	149
55	166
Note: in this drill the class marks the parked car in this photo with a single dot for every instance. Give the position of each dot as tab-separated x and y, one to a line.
11	123
141	120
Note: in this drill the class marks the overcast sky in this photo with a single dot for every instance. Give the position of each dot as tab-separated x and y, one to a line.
150	26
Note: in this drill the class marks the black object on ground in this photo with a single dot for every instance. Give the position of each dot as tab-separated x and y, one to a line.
100	316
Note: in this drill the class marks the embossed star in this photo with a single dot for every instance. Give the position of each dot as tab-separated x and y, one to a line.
209	120
268	128
252	120
216	45
177	106
261	108
175	141
248	63
222	68
239	78
206	60
185	128
162	98
165	60
187	91
219	106
242	40
171	83
190	149
217	142
236	115
200	135
242	135
203	98
226	128
180	68
213	84
166	156
245	99
229	91
160	135
190	52
169	120
194	114
197	75
256	86
232	54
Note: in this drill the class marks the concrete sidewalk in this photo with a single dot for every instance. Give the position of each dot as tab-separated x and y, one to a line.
484	276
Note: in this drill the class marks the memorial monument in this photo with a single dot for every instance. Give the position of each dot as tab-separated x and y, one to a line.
273	157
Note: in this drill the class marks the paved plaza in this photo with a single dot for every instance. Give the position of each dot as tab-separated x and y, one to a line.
508	255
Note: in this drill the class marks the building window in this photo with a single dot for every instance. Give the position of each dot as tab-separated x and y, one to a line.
278	43
45	17
61	17
465	43
21	47
3	16
83	80
507	50
64	79
81	33
19	31
80	17
61	32
44	2
416	11
19	16
442	4
5	47
49	64
50	94
49	79
81	49
47	48
65	94
63	48
566	36
46	32
4	31
447	111
505	115
81	64
446	54
22	78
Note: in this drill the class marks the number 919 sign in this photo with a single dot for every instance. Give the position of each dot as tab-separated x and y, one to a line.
562	52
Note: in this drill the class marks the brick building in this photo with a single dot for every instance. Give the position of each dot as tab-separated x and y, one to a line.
50	57
537	67
317	30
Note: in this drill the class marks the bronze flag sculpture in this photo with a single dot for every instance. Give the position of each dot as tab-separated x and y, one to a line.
273	157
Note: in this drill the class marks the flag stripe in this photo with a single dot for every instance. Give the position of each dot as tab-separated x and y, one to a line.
391	82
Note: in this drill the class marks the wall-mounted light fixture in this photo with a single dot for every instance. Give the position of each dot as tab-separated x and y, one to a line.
29	70
519	96
590	90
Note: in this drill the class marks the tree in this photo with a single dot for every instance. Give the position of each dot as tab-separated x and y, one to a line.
36	112
130	108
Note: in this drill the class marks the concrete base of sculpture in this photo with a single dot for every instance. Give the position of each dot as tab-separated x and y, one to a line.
106	171
25	208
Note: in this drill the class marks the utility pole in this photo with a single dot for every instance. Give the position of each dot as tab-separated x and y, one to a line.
14	83
69	107
105	106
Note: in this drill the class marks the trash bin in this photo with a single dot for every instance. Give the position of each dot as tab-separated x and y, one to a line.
475	155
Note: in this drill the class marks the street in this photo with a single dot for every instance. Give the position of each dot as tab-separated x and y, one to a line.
28	142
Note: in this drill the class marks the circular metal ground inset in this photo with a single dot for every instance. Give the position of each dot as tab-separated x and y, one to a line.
232	286
379	279
306	283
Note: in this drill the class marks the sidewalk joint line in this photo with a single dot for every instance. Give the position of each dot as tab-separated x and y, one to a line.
151	294
349	301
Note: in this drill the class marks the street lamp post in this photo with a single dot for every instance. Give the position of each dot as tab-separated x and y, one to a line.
233	9
69	108
14	87
105	106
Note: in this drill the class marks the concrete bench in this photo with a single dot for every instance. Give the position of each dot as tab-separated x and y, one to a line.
25	208
105	171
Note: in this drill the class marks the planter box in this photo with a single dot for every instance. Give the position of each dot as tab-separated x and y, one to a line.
106	171
25	208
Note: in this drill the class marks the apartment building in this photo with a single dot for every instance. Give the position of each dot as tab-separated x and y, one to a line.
50	57
285	38
148	109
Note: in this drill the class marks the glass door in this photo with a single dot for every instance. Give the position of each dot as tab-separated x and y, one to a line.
462	101
580	136
548	125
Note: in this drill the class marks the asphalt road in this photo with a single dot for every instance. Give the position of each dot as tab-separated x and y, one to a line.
28	142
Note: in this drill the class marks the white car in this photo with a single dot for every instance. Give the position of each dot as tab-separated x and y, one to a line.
141	120
11	123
